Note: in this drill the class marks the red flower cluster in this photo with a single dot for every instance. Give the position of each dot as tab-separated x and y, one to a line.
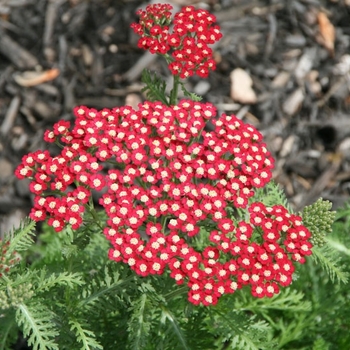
169	179
234	259
188	41
54	175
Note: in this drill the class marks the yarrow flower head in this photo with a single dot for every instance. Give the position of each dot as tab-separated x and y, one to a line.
163	179
185	45
168	183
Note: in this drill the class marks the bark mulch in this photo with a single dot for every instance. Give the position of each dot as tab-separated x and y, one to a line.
291	60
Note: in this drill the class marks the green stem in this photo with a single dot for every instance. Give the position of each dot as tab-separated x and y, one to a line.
91	209
174	91
179	291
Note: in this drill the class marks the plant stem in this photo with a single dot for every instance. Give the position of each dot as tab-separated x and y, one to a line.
174	91
179	291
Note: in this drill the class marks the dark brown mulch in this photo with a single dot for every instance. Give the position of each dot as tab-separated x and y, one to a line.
302	84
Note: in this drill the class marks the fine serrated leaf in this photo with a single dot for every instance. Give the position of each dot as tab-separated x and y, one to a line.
191	95
286	300
245	341
328	258
155	88
37	326
61	279
339	246
21	238
175	325
139	326
85	337
271	194
241	332
103	290
8	330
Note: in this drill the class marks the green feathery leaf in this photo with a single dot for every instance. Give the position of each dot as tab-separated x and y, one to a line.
37	325
155	88
339	246
61	279
180	336
271	194
21	238
85	337
320	344
291	331
329	259
287	300
103	285
8	329
191	95
239	331
140	326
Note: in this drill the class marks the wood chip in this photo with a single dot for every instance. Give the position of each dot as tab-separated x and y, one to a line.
6	169
15	53
327	31
281	79
305	63
314	85
323	180
32	78
241	87
287	146
293	102
10	115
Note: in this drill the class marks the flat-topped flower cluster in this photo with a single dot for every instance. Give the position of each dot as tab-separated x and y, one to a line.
164	181
185	44
173	193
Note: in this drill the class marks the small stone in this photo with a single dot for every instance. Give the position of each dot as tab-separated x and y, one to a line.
281	79
6	168
133	100
202	88
293	102
241	87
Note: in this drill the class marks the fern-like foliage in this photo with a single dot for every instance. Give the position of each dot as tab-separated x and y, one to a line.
139	326
253	337
329	260
8	330
320	344
291	330
103	285
271	194
191	95
22	238
236	330
35	320
339	246
168	317
155	88
288	300
84	337
46	282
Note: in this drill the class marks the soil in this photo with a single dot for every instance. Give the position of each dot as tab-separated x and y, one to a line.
55	55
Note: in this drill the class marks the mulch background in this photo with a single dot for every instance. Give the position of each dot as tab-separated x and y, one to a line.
87	53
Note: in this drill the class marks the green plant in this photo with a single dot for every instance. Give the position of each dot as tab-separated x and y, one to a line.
190	245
